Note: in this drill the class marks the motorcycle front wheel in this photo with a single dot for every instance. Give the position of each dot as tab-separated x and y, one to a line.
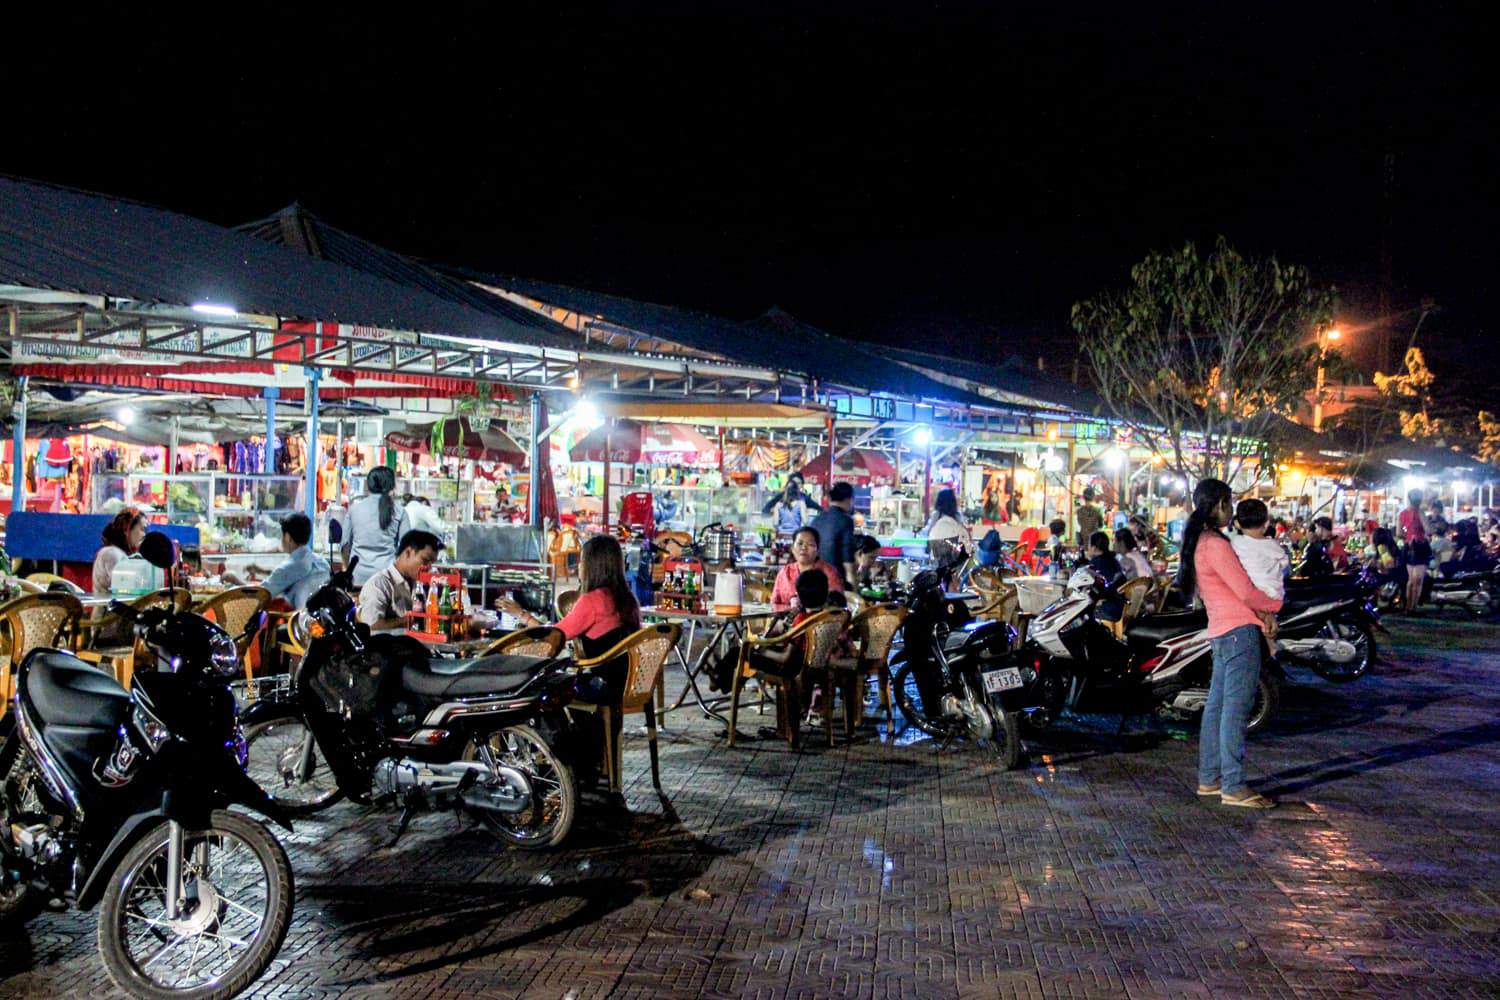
554	794
908	697
236	905
275	749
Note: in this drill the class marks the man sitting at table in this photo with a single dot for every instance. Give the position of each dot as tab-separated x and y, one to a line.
304	571
385	598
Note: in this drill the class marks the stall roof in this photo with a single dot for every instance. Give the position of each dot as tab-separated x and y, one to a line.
295	228
1406	458
774	340
1009	376
62	239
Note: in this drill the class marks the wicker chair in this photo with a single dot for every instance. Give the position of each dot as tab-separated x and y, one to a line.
565	602
874	629
120	660
1135	593
540	640
822	631
28	623
47	580
647	649
236	610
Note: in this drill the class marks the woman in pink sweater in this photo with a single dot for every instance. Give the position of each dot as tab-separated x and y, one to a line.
1212	572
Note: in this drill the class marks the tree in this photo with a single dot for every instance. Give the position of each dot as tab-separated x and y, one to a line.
1205	357
1488	449
1411	392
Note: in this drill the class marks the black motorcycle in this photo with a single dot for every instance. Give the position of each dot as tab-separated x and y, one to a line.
1328	624
375	718
952	676
121	799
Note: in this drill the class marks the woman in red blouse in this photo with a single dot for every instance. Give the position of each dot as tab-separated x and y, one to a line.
605	613
805	545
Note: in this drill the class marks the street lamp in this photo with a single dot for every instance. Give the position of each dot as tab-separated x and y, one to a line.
1326	337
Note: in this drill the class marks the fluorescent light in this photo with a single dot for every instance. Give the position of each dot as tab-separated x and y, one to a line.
1113	459
125	415
214	310
922	436
587	413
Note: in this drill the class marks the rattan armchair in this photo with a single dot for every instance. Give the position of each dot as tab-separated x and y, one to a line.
28	623
565	602
1135	592
539	640
647	650
874	629
238	612
120	660
780	662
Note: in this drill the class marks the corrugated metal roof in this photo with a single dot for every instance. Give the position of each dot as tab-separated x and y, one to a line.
776	340
1008	377
295	228
66	240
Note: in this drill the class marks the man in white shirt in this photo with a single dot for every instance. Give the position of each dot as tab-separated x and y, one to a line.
419	514
386	597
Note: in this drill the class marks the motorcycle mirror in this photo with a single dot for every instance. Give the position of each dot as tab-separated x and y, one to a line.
335	532
157	549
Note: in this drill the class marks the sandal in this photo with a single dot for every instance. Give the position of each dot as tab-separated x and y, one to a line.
1247	798
1208	790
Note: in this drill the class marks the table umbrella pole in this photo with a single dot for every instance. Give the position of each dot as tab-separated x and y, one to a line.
18	416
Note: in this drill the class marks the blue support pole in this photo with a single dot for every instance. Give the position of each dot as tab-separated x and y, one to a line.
313	459
270	393
18	470
533	495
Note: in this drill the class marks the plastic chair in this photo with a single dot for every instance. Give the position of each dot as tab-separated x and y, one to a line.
539	640
32	622
874	629
647	650
821	631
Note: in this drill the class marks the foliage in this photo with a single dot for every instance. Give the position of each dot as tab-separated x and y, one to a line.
1411	391
1489	438
1204	354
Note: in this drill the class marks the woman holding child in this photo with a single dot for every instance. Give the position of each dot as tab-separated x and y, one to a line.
1213	572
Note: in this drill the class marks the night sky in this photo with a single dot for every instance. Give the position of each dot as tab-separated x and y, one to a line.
934	175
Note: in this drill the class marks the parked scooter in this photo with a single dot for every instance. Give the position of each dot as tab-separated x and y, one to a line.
375	718
1163	664
121	799
1327	624
1475	590
952	676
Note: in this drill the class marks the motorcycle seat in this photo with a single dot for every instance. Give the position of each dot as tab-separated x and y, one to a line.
69	693
1151	630
482	675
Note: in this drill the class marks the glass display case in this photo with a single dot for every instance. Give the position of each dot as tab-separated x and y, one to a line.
451	498
248	510
180	499
892	516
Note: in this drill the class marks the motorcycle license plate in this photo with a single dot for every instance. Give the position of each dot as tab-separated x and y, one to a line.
996	681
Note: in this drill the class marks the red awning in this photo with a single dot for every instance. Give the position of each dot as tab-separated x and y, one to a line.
630	442
857	465
462	441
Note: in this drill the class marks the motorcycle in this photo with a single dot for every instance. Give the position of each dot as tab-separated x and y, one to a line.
1164	661
1475	590
375	718
951	676
1327	624
121	799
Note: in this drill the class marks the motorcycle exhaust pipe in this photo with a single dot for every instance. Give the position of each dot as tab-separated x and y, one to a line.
438	785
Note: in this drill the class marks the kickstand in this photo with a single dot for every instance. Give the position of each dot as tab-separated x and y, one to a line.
948	740
401	824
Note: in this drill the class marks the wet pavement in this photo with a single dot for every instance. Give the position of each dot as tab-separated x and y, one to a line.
883	869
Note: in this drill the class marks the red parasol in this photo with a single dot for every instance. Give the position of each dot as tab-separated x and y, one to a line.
462	441
857	465
631	442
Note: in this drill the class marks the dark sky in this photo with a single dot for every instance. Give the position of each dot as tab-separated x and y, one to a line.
936	175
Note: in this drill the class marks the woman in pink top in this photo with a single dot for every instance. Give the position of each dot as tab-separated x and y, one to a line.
1212	572
805	545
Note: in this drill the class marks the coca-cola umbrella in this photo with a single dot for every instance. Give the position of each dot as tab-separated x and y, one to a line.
857	465
631	442
462	441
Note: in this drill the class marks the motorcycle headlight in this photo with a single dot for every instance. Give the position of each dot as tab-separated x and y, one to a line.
153	729
223	656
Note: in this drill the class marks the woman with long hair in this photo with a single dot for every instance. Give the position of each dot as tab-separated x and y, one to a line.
605	613
376	525
122	536
1212	572
948	538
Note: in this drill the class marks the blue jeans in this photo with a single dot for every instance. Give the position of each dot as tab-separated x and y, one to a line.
1231	693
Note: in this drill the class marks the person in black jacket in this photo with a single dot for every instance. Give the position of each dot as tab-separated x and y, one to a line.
1102	561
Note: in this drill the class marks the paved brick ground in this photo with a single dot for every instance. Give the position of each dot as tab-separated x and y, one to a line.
890	871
